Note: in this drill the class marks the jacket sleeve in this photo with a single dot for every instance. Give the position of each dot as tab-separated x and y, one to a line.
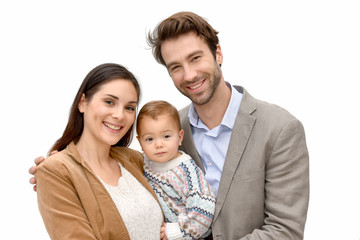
286	187
200	203
59	204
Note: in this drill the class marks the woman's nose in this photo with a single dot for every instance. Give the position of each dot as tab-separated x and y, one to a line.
118	113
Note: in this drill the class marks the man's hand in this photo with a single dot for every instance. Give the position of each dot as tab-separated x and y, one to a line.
33	169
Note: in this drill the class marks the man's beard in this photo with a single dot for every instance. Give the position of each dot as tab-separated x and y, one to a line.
204	97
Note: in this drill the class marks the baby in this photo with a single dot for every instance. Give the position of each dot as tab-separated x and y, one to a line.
185	196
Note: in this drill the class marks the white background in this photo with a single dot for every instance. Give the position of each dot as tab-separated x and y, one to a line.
301	55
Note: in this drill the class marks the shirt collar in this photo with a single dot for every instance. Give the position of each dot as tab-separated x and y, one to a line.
230	114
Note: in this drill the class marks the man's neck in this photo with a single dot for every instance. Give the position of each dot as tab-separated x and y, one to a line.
212	113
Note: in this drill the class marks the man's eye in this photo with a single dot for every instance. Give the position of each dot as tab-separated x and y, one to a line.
196	58
174	68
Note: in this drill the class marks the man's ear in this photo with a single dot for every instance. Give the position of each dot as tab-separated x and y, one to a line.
181	136
82	103
219	55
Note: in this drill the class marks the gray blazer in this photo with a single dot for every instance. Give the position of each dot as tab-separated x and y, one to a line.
264	187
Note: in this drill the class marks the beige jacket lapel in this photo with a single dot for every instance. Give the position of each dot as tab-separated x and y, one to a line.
241	132
243	126
188	145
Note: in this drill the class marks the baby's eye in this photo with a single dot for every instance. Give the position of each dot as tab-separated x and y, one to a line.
149	139
167	136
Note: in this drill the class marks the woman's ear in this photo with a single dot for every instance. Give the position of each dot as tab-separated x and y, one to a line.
82	103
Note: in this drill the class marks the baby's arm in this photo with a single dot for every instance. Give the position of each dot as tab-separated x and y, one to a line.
199	201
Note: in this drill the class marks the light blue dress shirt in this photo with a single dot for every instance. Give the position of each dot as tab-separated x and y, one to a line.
212	145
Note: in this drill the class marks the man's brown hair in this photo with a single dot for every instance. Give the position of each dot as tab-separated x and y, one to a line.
178	24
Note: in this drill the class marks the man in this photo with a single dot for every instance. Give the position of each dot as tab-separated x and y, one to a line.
254	154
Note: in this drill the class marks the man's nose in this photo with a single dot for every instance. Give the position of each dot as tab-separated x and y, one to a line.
189	73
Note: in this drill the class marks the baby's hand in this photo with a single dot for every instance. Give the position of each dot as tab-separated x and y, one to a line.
162	232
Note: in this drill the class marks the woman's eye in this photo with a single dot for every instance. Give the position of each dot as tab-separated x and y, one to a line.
131	108
109	102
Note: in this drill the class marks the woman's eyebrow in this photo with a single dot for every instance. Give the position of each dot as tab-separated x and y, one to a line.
110	95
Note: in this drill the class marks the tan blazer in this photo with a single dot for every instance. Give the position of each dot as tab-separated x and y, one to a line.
73	202
264	187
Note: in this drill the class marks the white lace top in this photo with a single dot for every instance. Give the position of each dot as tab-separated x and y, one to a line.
139	210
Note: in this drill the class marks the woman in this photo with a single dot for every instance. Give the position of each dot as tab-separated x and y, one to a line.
94	187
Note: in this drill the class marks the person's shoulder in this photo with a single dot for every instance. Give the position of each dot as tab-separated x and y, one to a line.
127	152
266	110
271	109
57	162
184	111
186	158
189	162
123	154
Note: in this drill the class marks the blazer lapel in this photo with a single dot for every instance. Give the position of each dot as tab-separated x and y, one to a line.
188	145
241	132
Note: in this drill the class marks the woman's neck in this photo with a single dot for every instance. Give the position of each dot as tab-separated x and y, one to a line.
93	152
98	157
